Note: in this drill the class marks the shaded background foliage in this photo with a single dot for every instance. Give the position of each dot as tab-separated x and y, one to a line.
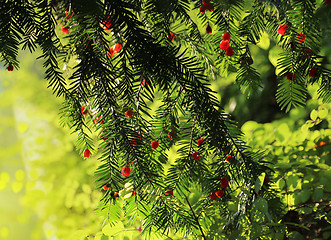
62	202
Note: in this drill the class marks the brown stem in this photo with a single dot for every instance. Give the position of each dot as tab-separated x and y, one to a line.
196	219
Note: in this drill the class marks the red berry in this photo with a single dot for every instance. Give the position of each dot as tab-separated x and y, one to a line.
133	194
83	110
196	156
105	187
67	12
312	72
226	36
229	158
87	153
224	44
117	48
126	171
200	141
64	29
110	52
229	51
301	37
213	195
224	182
282	29
322	143
266	180
116	195
202	9
10	68
290	76
328	2
219	193
171	36
155	144
129	113
169	193
208	29
171	134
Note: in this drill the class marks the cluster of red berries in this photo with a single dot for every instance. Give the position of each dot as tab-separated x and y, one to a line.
115	49
195	154
301	38
282	29
224	45
220	193
206	5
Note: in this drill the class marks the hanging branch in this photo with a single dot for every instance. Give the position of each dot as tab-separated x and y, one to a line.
196	219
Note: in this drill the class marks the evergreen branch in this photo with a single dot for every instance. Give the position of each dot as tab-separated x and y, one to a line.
196	219
49	44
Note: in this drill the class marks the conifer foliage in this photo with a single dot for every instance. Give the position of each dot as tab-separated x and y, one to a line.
128	51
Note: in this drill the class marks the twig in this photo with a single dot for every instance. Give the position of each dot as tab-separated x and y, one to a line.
196	219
